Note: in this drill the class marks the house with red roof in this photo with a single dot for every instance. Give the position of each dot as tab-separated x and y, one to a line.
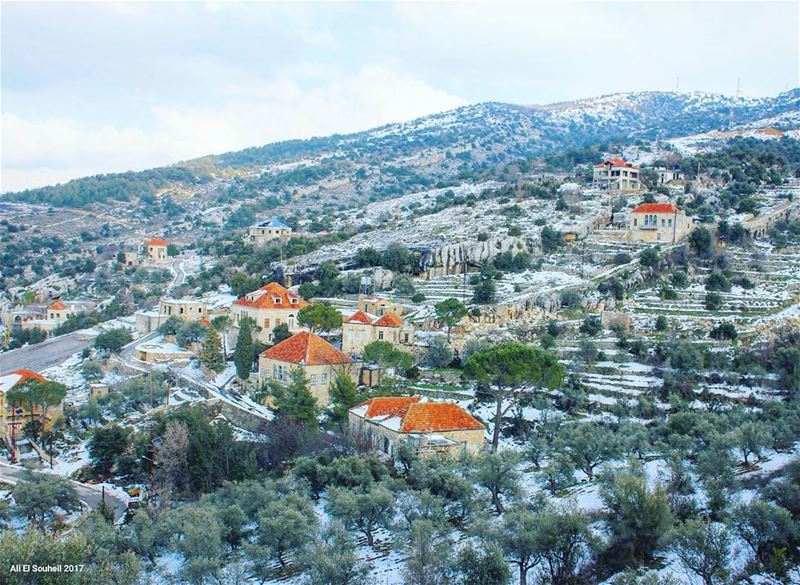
309	354
658	223
616	174
13	417
47	317
431	428
156	249
271	305
362	328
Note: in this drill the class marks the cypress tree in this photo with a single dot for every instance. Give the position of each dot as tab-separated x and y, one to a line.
243	354
211	351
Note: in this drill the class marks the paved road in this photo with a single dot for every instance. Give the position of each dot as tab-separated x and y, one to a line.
180	275
40	356
90	494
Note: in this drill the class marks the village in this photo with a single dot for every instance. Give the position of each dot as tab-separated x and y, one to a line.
386	339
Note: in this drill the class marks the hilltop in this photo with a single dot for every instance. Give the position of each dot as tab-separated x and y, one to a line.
391	159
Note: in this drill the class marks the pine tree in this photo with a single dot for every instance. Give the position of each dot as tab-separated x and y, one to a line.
243	354
344	395
295	401
211	351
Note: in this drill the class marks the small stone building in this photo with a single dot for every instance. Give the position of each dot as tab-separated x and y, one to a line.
183	309
658	222
156	249
431	428
361	329
269	231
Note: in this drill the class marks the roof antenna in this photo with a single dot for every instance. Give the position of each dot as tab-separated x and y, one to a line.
738	96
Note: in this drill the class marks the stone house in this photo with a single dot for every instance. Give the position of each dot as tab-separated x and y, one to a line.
378	306
667	175
362	328
156	249
183	309
658	222
269	231
317	359
616	174
431	428
270	306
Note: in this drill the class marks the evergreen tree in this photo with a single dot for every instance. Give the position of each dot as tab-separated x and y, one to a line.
704	549
344	395
363	509
211	351
295	400
332	559
450	312
280	333
439	354
484	566
507	369
320	317
638	517
106	446
243	354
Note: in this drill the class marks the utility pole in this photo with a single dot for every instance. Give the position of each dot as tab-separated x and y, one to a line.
14	433
150	386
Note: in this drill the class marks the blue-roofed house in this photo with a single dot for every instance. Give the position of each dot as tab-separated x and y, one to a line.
269	231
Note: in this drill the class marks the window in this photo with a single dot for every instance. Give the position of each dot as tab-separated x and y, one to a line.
277	322
324	378
380	335
266	323
405	338
313	379
635	222
277	300
663	222
387	446
669	222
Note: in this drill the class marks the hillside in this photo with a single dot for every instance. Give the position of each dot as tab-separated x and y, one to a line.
449	145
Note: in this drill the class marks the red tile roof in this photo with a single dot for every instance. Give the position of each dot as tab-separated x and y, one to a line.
265	298
421	417
7	382
389	320
359	317
656	208
427	417
386	405
156	242
57	306
616	162
307	349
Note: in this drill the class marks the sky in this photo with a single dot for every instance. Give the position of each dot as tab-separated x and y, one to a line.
94	87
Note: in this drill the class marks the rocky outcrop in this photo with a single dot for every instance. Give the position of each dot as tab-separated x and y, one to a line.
449	258
382	279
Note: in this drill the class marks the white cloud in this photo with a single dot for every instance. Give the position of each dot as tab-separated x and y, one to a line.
36	152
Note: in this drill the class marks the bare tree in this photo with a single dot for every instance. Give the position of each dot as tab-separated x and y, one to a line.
172	460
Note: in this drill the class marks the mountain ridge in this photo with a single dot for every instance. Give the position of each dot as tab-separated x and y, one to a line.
486	131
